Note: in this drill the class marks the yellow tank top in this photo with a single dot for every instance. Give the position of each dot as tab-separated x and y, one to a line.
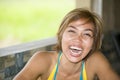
83	75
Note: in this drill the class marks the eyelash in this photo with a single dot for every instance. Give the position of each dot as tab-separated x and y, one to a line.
88	34
71	31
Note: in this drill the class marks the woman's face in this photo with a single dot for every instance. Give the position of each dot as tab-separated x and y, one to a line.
77	40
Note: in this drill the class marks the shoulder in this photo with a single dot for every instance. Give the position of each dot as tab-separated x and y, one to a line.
38	64
95	58
98	57
42	60
43	56
101	66
99	61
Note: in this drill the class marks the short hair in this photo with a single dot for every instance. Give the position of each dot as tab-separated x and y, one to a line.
89	16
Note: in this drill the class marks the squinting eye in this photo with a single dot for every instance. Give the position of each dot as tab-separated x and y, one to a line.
71	31
87	35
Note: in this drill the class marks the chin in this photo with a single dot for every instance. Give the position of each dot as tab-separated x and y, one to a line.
75	61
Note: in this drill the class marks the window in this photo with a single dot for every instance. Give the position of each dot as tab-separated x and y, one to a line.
29	20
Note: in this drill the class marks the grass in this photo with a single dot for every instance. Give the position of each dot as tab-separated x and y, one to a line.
31	20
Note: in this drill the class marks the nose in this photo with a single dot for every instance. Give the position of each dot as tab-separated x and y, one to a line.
83	37
79	38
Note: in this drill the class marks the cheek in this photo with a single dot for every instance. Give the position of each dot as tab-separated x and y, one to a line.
90	47
63	44
89	44
65	41
65	38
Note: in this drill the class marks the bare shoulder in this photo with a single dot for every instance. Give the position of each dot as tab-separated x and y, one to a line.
38	64
98	56
102	67
44	58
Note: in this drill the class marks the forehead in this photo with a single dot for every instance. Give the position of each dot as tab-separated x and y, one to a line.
81	23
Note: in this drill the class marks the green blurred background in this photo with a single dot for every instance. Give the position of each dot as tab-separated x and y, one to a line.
29	20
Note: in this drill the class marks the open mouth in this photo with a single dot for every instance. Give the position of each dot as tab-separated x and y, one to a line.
76	51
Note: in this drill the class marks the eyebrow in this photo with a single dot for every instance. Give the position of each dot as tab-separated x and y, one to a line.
72	27
89	30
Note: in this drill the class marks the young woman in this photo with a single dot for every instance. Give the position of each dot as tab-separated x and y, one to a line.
77	55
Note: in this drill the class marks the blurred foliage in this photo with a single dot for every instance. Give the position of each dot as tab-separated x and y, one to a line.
28	20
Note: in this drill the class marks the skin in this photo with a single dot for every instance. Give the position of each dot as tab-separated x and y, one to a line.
76	36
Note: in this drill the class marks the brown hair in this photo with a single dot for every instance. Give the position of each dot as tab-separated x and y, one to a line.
88	16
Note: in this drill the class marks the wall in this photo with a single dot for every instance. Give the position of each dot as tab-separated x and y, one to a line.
117	15
13	59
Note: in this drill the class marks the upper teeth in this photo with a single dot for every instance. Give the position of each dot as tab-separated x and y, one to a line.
73	47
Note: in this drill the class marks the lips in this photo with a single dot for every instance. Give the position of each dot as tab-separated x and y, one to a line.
75	51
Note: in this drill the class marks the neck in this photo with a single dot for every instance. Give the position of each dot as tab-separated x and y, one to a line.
68	68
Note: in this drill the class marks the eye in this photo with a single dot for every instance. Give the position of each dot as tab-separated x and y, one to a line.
72	31
88	35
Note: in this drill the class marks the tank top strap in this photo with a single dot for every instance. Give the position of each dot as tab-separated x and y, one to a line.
83	75
55	69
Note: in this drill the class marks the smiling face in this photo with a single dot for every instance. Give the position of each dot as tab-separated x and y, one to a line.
77	40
